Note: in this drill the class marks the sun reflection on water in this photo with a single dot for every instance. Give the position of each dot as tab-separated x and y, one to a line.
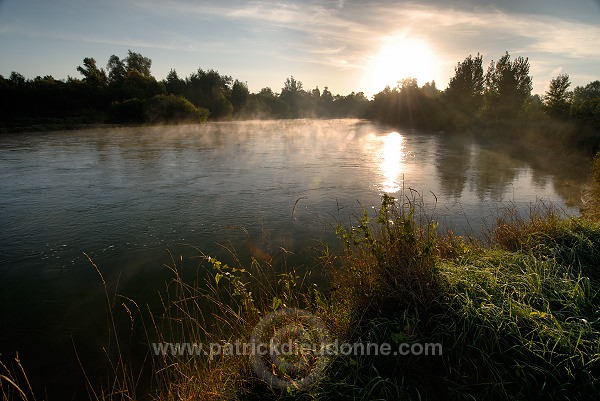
392	160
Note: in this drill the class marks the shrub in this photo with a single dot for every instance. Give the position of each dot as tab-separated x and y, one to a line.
172	109
127	111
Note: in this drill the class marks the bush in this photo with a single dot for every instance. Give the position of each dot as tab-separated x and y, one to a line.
127	111
159	109
173	109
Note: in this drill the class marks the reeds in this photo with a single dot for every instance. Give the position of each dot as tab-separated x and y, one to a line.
517	317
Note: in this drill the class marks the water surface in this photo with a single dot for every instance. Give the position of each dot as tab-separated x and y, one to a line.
126	197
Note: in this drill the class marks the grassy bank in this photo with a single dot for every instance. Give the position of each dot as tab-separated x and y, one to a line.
517	315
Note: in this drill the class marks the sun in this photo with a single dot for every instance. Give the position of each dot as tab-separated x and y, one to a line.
400	57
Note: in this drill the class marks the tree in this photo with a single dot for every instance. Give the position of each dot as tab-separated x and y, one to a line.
137	62
326	95
557	97
268	92
172	109
16	79
116	69
131	78
292	85
465	90
239	95
136	85
508	86
210	90
291	94
585	105
174	84
91	73
430	90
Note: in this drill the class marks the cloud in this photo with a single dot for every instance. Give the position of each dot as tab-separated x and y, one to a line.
351	30
344	35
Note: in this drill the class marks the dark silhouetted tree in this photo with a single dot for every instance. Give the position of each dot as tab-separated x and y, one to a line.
131	78
325	105
136	62
585	105
265	104
508	87
465	90
557	98
116	70
291	94
92	75
239	96
139	86
210	90
172	109
16	79
174	84
352	105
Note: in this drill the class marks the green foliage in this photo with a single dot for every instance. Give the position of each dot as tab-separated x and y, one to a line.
500	100
138	63
292	94
127	111
16	79
173	84
160	109
136	85
238	287
116	70
465	90
239	96
92	75
172	109
520	315
508	87
210	90
557	97
529	301
515	319
585	106
408	105
388	264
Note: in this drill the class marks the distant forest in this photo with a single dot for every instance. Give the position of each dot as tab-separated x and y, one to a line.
125	92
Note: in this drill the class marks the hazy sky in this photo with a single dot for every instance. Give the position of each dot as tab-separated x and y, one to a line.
345	44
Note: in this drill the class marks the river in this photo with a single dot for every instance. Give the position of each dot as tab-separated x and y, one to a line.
132	197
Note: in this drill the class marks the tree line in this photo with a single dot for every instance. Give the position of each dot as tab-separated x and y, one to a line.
502	93
125	91
495	100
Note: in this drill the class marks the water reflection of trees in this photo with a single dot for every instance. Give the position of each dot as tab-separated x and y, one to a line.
490	168
452	164
493	173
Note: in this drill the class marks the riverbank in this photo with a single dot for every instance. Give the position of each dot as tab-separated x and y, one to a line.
516	316
51	124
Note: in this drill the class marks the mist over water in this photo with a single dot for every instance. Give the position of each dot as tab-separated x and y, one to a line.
272	190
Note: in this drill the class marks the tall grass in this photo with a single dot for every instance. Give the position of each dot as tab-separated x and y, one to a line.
591	206
518	316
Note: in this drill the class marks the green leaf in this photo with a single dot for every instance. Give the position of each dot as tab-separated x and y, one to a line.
276	304
399	338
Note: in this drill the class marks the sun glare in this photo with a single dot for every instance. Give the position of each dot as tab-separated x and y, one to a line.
392	158
400	57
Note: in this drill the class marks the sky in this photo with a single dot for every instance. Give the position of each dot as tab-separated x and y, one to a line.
346	45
